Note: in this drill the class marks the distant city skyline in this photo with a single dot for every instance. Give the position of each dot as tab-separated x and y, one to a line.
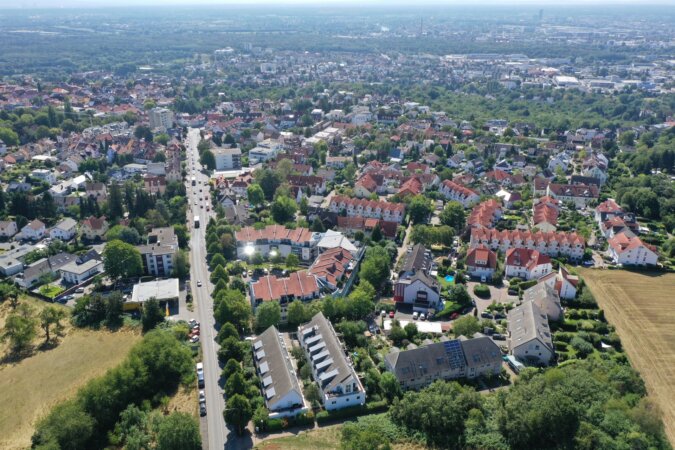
30	4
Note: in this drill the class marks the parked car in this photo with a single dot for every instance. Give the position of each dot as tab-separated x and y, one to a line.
202	396
79	290
454	315
486	315
391	314
194	339
483	279
415	315
383	313
202	408
498	337
193	322
423	317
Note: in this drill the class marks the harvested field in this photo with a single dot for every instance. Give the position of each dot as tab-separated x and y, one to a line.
642	307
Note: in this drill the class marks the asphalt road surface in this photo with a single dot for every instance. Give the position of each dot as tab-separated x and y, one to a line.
216	430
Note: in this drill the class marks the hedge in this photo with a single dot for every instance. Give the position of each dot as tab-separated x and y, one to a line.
527	284
353	411
481	290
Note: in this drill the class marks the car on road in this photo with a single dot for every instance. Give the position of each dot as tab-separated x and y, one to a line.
199	283
202	408
193	322
79	290
200	374
202	396
391	314
194	339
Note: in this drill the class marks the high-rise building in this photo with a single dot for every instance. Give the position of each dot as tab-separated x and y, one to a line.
161	118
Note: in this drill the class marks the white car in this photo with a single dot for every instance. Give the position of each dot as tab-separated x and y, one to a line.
202	396
383	313
423	317
199	283
415	315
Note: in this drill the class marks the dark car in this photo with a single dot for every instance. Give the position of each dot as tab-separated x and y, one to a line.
202	409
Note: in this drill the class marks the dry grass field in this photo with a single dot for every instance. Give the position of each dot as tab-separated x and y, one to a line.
642	307
29	388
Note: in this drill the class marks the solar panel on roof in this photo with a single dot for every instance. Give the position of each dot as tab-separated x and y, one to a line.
264	368
260	354
313	339
455	355
269	393
328	375
323	364
257	345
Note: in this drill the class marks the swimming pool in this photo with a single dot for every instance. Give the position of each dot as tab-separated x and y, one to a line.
449	278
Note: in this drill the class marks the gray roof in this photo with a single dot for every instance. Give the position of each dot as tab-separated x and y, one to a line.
66	224
79	268
546	298
326	354
526	323
159	289
428	361
416	259
480	351
274	366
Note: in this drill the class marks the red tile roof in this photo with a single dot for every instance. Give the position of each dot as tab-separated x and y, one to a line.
274	233
331	264
384	205
298	284
481	253
523	257
514	235
452	186
483	214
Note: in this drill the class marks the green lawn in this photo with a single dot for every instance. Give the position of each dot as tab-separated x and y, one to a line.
444	283
51	291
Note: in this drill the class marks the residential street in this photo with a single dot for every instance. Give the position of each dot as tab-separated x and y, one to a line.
214	430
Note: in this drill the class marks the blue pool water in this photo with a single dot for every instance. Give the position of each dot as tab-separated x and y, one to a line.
449	278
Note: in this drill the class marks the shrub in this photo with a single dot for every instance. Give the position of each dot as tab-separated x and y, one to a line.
354	411
481	290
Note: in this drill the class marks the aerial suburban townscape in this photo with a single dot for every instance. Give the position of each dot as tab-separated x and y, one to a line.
347	226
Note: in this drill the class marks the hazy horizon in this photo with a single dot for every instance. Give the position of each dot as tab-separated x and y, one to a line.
51	4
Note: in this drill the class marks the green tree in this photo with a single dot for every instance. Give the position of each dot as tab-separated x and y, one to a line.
179	431
238	412
124	234
115	206
226	331
152	314
466	326
19	330
267	314
269	181
67	427
312	394
419	209
143	132
283	209
236	384
255	194
375	266
122	260
296	313
390	387
231	367
453	215
232	348
9	137
438	411
292	261
181	265
49	316
208	160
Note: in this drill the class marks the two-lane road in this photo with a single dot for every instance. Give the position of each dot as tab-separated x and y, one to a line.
217	431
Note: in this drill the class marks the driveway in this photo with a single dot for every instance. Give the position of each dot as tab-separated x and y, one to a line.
497	295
